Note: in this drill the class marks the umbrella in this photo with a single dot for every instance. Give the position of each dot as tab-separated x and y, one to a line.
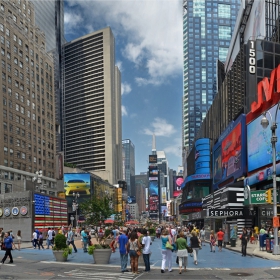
109	221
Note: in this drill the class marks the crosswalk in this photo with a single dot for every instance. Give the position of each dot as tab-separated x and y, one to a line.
86	274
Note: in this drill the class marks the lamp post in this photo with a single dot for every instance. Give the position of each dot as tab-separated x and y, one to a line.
38	177
75	205
265	123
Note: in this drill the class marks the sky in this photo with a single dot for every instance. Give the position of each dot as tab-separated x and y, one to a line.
149	54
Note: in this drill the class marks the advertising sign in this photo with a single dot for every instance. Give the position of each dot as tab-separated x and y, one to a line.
202	156
259	142
77	182
152	158
230	152
147	196
153	196
177	183
163	195
153	173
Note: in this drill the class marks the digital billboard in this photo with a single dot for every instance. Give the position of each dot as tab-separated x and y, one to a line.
152	158
202	156
177	183
229	153
153	196
153	171
163	195
77	183
259	142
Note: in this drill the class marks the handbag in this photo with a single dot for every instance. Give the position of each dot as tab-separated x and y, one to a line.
168	246
138	253
189	249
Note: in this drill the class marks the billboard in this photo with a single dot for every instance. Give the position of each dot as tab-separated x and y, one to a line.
77	183
153	159
153	197
202	156
118	196
177	183
229	154
259	142
153	171
163	195
131	199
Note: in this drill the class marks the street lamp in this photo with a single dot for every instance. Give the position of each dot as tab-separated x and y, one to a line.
75	205
264	124
38	177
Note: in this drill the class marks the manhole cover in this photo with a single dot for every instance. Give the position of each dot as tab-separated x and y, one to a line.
240	274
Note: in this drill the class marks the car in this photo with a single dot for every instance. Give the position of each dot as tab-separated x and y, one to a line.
76	185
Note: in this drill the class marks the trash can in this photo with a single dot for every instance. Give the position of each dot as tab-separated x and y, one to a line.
262	241
232	242
268	245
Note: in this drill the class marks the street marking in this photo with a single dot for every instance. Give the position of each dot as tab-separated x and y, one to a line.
222	268
277	267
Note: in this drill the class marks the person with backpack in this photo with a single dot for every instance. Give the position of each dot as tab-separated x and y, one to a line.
40	240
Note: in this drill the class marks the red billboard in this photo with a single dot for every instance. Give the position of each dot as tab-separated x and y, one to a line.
177	183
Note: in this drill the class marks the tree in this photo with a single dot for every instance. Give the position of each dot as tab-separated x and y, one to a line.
96	209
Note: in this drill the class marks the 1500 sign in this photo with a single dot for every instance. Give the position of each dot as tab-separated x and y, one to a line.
252	57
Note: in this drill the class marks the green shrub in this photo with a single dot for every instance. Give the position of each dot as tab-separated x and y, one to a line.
152	231
107	232
60	242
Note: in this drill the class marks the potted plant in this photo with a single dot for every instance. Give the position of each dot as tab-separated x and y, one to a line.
60	249
152	233
101	253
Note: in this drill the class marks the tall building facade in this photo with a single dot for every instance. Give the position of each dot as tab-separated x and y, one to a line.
207	31
129	166
28	103
92	105
141	184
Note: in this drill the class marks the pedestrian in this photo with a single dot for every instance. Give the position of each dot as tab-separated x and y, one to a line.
182	253
220	237
9	245
202	235
212	241
114	236
70	239
244	241
122	241
85	239
49	238
195	245
40	241
166	253
133	246
11	233
146	243
34	239
19	239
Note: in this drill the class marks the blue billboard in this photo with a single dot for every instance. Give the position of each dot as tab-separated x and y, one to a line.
259	142
77	183
229	153
202	156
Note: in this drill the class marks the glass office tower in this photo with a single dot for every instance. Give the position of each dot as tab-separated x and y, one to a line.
129	166
207	31
49	17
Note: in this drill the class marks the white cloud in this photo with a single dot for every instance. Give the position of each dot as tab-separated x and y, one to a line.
119	64
175	148
72	21
160	128
126	88
124	111
151	31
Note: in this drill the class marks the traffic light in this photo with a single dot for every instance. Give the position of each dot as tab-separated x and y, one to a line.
268	196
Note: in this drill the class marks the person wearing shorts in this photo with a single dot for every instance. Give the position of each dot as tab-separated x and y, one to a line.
220	237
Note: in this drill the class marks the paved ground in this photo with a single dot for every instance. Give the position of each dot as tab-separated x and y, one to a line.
37	264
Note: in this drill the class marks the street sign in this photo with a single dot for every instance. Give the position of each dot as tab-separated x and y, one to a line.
258	197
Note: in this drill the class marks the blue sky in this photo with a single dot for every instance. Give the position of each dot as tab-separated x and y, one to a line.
149	53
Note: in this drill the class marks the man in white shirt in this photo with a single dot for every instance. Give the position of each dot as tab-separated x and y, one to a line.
202	235
146	243
49	238
35	239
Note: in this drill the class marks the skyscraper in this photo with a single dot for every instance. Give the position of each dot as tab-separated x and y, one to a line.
49	17
129	166
92	105
207	31
27	111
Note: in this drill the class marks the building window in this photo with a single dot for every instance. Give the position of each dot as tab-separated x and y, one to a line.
224	11
224	32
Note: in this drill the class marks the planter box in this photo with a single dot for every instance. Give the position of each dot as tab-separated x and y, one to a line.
59	256
102	256
108	241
